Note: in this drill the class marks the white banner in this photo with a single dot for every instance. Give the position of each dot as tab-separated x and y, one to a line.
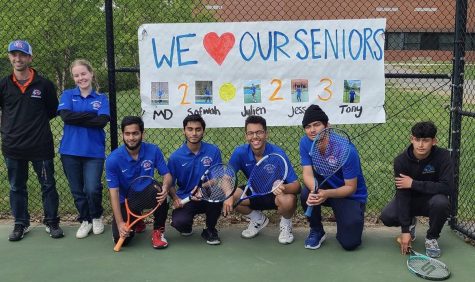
228	71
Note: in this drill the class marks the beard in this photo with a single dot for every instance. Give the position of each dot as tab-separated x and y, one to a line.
132	148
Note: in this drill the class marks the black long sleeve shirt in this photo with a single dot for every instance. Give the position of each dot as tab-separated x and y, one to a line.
25	128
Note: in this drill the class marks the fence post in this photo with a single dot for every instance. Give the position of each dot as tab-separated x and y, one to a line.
456	99
111	72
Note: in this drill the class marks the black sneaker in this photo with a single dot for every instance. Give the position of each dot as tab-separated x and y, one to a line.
54	230
19	231
211	236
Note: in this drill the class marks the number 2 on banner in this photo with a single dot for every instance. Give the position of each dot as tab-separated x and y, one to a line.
326	89
274	97
185	93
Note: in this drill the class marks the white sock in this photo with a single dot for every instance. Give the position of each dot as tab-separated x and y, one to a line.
285	221
256	216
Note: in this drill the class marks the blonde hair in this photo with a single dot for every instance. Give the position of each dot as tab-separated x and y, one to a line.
87	64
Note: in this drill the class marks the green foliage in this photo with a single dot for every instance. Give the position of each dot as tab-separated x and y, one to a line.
130	15
61	31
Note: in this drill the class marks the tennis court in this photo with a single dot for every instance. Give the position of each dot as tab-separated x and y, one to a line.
40	258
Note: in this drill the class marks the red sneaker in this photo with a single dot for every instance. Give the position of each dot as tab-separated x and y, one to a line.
158	239
140	226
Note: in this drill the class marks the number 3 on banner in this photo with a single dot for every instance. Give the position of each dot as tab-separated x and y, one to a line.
326	89
185	93
277	89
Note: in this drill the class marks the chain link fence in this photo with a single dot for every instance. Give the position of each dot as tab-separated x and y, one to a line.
463	122
419	52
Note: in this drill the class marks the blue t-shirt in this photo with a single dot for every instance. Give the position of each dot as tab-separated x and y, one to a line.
243	159
121	168
79	140
352	94
187	168
351	169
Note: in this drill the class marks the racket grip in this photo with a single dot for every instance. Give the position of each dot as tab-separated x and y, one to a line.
236	204
119	243
185	200
308	212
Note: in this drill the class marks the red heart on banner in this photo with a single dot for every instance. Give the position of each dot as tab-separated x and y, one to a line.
218	47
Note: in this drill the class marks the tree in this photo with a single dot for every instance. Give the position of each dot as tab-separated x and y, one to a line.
59	32
63	30
130	15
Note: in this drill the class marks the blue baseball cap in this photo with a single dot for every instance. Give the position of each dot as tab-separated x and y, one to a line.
20	45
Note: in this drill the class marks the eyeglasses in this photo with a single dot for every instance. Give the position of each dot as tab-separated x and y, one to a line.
259	133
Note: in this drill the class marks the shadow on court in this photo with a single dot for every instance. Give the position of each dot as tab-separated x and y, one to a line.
39	258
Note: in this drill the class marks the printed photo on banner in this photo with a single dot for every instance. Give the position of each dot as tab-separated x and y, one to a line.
252	92
351	93
159	93
299	90
204	92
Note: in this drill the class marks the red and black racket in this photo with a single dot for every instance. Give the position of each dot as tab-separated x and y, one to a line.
140	202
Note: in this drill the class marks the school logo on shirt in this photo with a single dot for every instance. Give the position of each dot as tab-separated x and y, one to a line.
428	169
36	94
206	161
332	160
96	105
147	164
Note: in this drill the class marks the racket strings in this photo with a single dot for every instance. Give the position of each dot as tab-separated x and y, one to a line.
141	201
219	183
428	267
329	152
263	177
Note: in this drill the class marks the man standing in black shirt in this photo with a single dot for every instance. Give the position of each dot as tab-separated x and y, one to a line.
28	102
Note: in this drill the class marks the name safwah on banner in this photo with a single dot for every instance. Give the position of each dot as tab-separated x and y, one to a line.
228	71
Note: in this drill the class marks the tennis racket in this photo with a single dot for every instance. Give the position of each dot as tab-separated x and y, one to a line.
427	267
140	202
217	184
268	174
329	152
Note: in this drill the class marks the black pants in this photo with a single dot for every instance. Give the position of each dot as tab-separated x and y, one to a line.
349	216
159	218
182	218
436	207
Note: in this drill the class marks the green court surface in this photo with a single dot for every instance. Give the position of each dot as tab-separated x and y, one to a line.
39	258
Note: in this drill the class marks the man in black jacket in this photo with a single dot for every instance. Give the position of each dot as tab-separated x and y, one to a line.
28	102
424	180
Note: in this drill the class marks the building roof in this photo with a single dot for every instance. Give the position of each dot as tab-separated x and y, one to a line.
401	15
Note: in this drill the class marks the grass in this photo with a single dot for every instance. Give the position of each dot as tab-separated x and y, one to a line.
437	68
378	144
